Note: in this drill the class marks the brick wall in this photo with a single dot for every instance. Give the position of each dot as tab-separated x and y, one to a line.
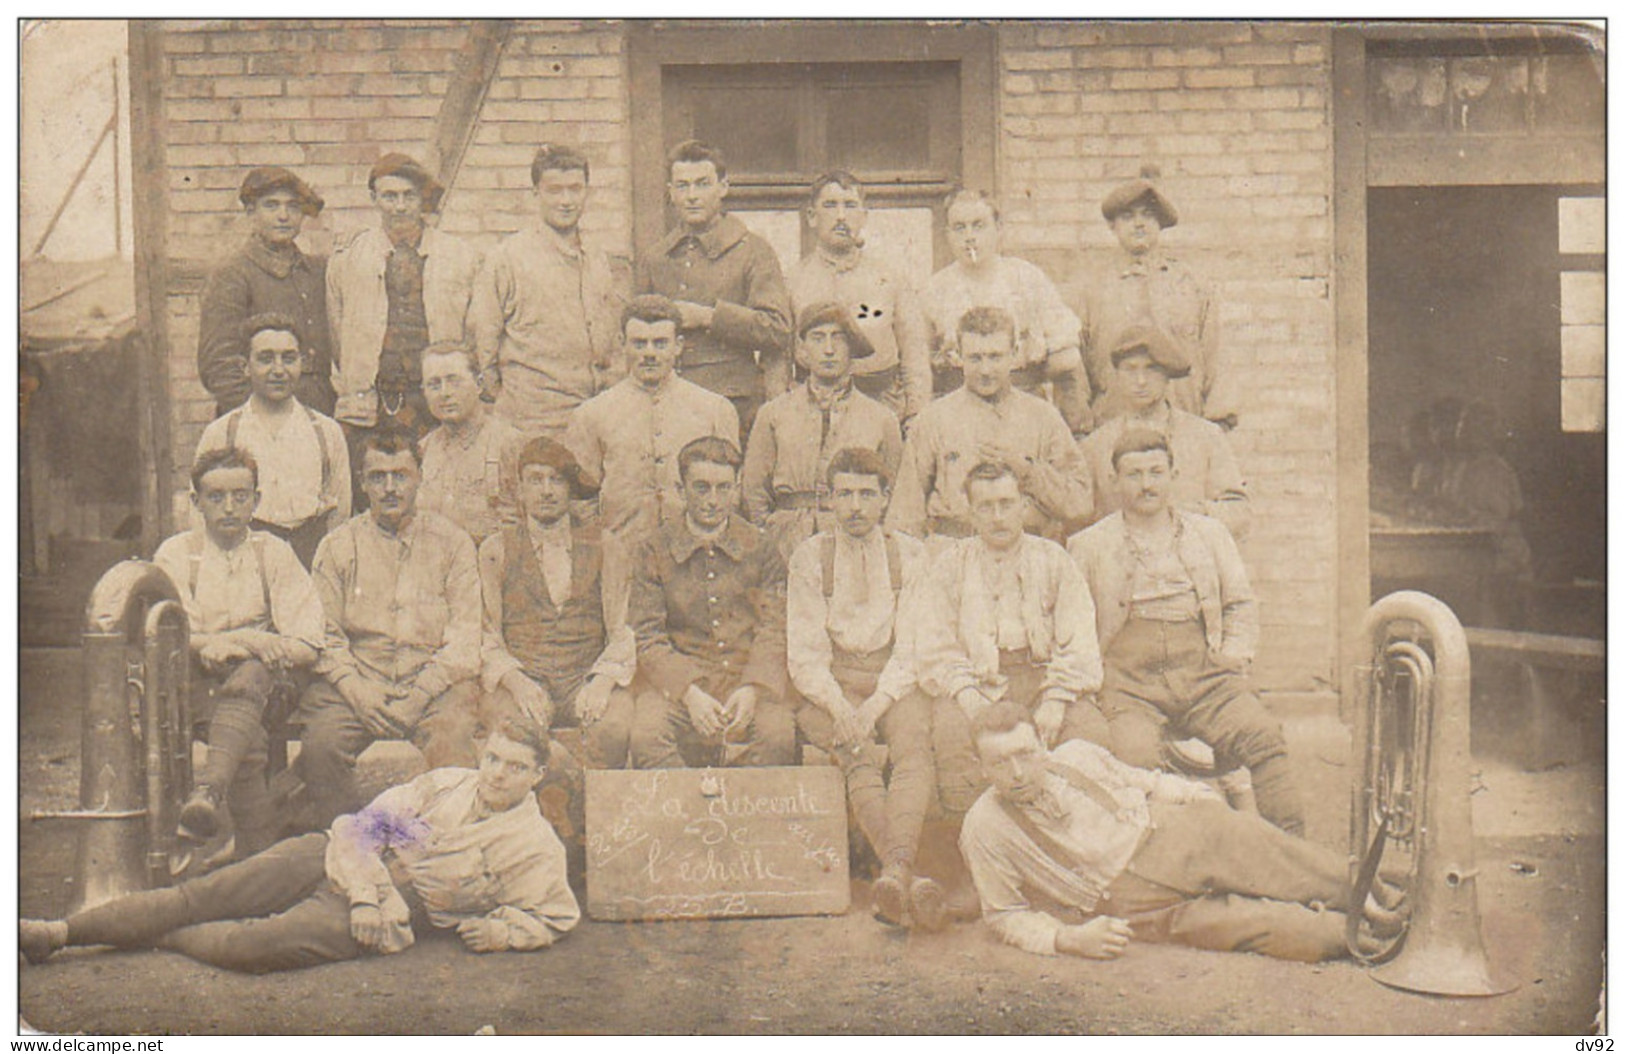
326	98
1238	118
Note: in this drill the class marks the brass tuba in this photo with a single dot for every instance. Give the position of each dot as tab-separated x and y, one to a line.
1413	798
135	753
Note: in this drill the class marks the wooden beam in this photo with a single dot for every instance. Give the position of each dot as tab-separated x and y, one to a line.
1352	371
149	213
460	108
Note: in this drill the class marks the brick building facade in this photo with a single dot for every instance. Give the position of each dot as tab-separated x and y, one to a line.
1239	117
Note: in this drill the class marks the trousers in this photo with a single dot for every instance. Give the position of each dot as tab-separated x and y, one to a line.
334	737
959	772
275	910
890	815
1159	674
1210	877
664	736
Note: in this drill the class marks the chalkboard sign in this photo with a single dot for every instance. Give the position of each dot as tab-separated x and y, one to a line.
716	843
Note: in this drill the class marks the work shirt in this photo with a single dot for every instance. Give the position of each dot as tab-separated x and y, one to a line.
709	605
229	593
553	549
359	311
1207	476
727	268
402	609
861	616
460	859
885	307
258	280
473	479
1160	291
791	445
942	448
1211	559
1005	861
627	440
958	634
302	458
1044	324
545	319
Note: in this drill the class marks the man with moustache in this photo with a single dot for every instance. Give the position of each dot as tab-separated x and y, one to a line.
1044	329
1208	480
708	609
556	643
850	648
545	316
727	286
268	275
401	660
882	302
1178	627
391	292
470	469
987	419
304	464
463	849
1142	285
796	434
256	625
627	438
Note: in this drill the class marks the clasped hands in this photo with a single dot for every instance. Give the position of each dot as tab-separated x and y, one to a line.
388	711
715	718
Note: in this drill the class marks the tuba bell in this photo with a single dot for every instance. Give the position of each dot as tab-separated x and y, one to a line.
135	753
1412	802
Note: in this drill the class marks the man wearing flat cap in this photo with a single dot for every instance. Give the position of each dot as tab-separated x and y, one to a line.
391	292
1206	477
268	274
797	433
556	644
1142	285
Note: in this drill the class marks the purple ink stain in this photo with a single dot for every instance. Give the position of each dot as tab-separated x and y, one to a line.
380	829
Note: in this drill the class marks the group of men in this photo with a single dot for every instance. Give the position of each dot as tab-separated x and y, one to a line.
966	525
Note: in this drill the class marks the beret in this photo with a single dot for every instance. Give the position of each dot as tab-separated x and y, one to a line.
545	451
1163	349
1126	195
405	168
828	311
261	181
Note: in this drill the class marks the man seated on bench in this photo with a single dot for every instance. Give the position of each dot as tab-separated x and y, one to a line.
255	620
1134	854
401	591
455	848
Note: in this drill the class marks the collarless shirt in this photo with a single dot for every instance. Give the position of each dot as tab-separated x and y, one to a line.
473	479
546	312
1044	324
627	440
885	307
401	608
289	455
230	594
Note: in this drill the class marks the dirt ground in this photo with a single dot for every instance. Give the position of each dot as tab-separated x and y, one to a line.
1542	894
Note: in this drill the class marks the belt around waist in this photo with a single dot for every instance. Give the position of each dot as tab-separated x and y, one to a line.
877	383
795	499
1015	655
949	527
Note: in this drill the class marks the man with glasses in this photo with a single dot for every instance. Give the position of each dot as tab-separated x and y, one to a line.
470	466
401	590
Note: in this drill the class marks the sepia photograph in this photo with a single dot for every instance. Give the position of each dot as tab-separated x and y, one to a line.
783	526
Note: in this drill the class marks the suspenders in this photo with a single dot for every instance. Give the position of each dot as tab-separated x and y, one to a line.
234	419
894	564
194	562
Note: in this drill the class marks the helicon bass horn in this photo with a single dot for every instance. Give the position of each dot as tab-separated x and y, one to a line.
1412	802
135	753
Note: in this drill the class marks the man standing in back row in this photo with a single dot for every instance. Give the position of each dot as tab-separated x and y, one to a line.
727	286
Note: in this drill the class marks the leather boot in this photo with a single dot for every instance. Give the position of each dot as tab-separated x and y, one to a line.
890	893
200	816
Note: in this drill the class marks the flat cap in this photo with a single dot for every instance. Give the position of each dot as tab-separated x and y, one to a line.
1126	195
545	451
1163	349
406	168
825	312
261	181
